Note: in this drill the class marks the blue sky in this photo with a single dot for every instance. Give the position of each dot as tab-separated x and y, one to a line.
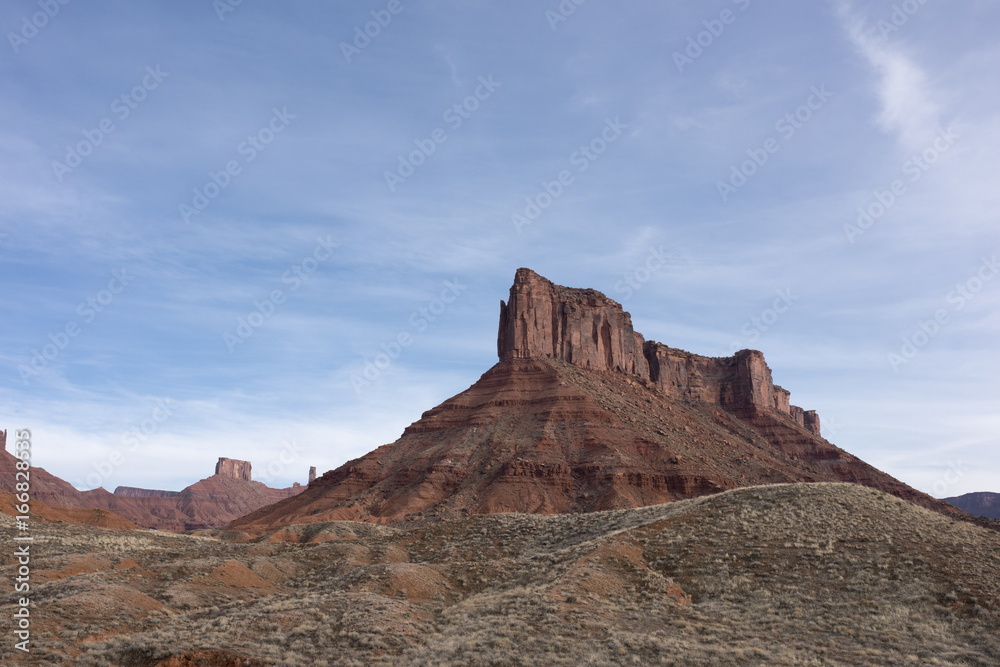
213	221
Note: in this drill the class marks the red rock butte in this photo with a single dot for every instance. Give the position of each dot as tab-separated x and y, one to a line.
581	413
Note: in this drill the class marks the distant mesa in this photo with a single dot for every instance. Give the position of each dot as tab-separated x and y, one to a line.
580	414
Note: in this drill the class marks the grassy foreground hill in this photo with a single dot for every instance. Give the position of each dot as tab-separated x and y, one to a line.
832	574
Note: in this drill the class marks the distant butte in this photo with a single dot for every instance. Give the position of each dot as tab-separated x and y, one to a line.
210	503
233	468
581	413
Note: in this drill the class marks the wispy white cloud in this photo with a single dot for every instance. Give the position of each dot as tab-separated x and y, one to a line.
907	99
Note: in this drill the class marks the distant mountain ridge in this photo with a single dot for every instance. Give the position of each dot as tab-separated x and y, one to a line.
134	492
983	504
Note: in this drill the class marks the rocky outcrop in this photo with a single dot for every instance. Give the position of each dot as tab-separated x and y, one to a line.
581	414
811	421
3	440
312	474
587	329
233	468
134	492
578	326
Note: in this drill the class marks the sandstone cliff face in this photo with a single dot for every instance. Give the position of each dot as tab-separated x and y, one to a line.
233	468
587	329
811	421
579	326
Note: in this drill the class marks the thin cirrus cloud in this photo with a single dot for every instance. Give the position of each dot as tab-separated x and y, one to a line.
907	105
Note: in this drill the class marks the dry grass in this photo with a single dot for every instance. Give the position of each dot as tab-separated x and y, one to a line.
825	574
